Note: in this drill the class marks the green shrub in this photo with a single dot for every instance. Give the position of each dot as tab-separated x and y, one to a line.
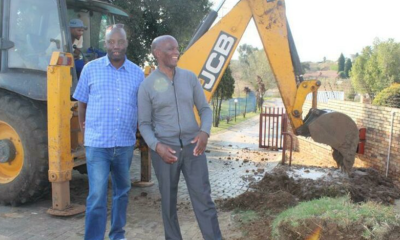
389	97
342	75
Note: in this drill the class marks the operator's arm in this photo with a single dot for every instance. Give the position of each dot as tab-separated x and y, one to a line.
205	114
77	46
146	127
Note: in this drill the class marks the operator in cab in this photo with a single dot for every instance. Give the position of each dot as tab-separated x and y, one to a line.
77	28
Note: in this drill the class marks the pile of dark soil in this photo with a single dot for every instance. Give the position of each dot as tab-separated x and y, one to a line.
278	191
372	186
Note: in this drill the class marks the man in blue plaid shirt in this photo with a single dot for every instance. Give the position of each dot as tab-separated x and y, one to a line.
107	94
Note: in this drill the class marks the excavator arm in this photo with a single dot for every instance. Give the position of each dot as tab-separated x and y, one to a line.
209	56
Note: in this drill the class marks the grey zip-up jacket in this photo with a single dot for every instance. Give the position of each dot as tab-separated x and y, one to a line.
165	109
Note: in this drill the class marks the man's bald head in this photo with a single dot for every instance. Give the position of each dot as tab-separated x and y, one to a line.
159	40
166	50
116	43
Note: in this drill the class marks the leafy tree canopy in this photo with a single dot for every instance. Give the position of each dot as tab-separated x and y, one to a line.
245	53
347	67
342	75
389	97
227	85
152	18
377	67
341	61
224	91
253	63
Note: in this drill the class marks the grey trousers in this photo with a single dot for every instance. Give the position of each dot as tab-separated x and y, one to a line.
195	171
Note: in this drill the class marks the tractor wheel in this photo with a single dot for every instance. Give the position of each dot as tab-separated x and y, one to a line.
23	149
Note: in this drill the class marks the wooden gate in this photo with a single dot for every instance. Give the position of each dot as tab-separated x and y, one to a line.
273	122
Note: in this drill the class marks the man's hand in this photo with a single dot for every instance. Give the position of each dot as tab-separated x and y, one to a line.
166	153
77	54
201	139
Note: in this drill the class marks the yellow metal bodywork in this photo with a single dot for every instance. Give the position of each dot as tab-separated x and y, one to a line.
59	82
234	24
270	19
306	87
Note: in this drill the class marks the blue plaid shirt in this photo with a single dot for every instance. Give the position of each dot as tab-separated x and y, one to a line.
111	98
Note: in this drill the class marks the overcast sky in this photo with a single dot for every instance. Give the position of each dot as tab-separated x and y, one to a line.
326	28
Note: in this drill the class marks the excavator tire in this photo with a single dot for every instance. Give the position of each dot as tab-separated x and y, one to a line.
23	122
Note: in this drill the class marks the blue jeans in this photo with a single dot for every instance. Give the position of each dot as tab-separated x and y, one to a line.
100	162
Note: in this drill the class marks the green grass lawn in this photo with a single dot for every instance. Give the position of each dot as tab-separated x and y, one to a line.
374	217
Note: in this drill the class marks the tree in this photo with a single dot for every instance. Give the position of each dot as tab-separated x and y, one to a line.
377	67
247	90
341	61
305	66
152	18
347	67
253	63
245	53
342	75
359	71
350	93
224	91
389	97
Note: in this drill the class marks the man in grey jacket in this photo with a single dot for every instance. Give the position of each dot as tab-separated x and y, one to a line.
168	125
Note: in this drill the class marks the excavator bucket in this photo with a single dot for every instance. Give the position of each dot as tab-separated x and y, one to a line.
336	130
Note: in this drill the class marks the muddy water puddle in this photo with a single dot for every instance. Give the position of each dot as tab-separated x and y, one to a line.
307	173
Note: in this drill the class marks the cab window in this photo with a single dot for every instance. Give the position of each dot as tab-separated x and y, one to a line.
93	37
35	31
100	22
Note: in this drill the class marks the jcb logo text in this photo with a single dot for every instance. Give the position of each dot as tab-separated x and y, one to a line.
216	60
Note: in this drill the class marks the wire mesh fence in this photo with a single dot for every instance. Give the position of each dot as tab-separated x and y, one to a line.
238	106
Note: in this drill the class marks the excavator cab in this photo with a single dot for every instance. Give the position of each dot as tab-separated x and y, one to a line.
30	32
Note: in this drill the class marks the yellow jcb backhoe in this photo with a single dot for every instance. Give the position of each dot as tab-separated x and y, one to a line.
210	51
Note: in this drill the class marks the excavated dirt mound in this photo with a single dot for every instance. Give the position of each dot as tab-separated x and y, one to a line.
286	186
278	190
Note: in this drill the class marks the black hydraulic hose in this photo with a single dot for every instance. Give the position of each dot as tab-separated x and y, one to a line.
205	24
295	56
203	27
